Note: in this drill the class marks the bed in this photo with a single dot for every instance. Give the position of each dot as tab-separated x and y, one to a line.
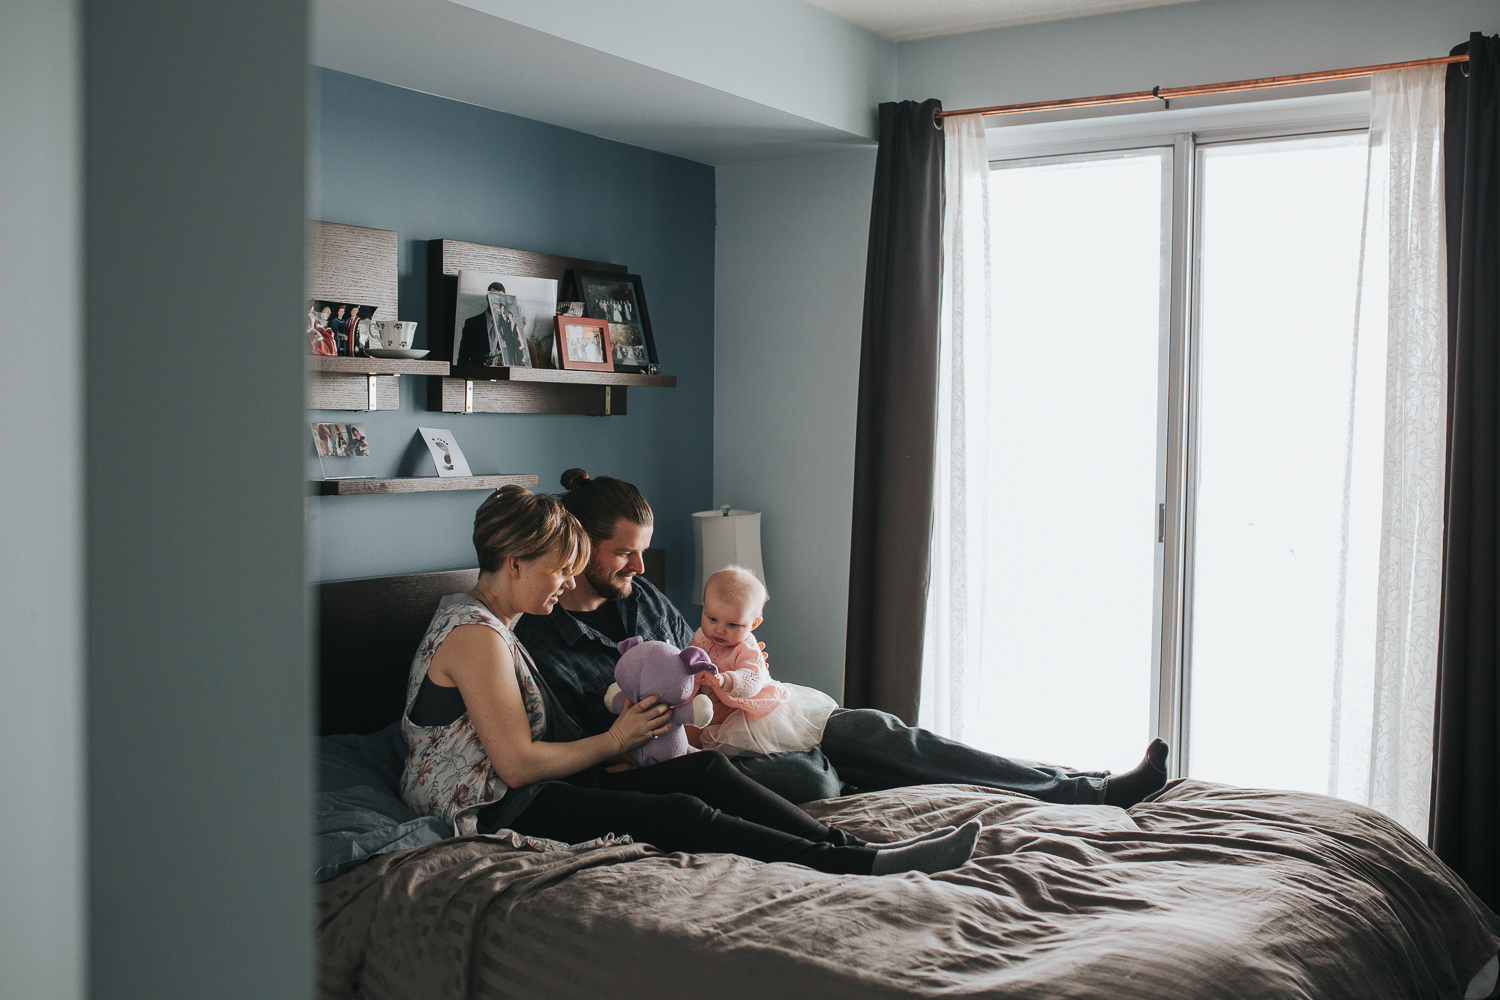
1203	890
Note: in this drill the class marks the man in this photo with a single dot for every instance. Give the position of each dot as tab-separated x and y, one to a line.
865	749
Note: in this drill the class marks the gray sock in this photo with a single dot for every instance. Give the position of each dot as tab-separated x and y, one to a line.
938	855
941	831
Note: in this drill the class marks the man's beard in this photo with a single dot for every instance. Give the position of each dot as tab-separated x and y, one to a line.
611	588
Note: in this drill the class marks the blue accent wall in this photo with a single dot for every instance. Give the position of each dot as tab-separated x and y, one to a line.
430	168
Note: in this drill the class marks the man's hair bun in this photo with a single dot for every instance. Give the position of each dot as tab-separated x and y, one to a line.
574	478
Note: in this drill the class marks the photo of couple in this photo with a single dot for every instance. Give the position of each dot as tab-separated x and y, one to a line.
499	319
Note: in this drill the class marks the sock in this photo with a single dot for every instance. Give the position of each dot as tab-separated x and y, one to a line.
941	831
1125	790
937	855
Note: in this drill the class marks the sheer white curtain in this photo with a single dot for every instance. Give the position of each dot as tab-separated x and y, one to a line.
955	605
1387	629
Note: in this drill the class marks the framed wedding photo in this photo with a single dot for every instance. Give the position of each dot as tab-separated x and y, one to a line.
619	300
583	343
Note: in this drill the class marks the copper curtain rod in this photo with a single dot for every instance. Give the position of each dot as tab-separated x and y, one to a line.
1167	93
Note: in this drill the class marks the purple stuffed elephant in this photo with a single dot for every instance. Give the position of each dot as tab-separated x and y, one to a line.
659	668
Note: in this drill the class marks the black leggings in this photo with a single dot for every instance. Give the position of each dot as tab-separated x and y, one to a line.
698	804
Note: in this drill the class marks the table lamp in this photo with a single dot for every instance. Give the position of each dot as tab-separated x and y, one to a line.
725	537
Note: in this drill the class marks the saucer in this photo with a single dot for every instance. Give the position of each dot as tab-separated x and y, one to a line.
391	352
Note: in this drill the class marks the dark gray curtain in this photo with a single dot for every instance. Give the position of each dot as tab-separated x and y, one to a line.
1466	774
894	446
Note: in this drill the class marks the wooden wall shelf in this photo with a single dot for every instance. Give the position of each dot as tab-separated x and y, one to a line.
375	366
536	390
362	383
418	484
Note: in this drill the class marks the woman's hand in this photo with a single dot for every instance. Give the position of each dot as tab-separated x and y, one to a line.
640	722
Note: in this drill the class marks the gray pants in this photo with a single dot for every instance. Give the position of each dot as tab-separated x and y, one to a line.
865	750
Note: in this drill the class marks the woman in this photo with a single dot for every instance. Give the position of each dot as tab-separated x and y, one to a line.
487	748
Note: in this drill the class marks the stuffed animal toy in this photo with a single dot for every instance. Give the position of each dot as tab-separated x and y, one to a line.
659	668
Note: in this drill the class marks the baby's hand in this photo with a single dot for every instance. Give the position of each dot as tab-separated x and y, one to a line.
724	682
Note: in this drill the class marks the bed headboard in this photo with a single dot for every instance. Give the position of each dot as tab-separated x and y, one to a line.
368	631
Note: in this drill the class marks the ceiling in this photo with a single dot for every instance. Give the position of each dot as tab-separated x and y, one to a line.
908	20
783	79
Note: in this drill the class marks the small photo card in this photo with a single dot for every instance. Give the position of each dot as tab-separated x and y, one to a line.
342	450
446	454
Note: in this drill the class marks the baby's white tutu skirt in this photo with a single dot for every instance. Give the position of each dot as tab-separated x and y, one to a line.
796	724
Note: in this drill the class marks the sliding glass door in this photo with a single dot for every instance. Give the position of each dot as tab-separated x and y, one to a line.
1278	249
1163	462
1070	486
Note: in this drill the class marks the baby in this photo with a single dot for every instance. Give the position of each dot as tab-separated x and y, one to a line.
752	712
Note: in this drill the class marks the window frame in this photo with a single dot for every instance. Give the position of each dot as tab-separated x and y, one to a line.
1185	131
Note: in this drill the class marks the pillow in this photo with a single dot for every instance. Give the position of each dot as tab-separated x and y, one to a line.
356	823
358	809
373	759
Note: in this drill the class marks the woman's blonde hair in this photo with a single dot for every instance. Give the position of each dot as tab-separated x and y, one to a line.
517	522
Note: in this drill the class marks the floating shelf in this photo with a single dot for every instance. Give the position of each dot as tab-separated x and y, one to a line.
418	484
536	390
376	366
362	383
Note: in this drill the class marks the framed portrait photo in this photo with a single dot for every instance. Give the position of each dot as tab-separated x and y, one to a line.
619	300
583	343
499	319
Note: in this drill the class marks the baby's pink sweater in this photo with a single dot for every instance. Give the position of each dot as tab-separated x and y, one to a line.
750	688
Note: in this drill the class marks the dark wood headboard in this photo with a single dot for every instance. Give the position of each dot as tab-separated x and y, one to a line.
368	631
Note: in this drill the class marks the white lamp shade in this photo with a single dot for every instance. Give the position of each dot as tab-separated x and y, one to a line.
720	540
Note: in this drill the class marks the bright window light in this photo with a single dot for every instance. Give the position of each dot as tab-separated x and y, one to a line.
1279	245
1071	496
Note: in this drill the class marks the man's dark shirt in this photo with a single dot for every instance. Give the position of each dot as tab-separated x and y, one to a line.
578	661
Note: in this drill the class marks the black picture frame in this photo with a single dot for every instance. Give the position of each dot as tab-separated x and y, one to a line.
619	300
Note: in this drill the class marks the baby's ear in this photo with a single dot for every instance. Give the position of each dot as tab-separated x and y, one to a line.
756	624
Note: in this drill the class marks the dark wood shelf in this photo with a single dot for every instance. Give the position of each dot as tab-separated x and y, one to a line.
361	383
376	366
565	376
418	484
536	390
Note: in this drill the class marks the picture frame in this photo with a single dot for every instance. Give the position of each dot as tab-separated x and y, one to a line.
583	343
338	328
619	300
447	457
342	451
502	319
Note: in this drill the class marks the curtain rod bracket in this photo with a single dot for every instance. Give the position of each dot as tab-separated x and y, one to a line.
1166	102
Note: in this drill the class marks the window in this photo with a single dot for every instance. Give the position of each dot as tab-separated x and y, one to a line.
1163	469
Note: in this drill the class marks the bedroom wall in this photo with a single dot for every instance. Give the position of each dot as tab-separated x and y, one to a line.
198	762
1204	42
42	869
791	264
430	168
783	54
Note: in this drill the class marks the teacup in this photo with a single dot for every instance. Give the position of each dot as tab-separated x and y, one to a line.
396	334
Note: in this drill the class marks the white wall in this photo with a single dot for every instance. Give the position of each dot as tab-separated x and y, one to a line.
788	299
784	54
41	578
1206	42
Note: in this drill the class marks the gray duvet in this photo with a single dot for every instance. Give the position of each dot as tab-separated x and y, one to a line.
1202	891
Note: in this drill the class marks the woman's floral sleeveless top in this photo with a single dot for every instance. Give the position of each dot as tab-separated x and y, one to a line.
447	773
